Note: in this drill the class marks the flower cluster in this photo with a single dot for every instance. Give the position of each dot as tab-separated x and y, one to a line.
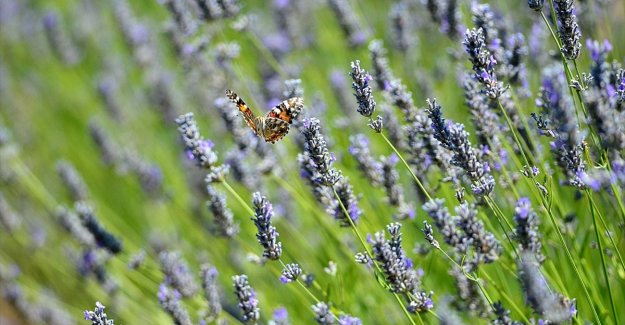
316	148
550	305
267	235
362	89
223	218
483	62
247	299
98	316
330	188
398	269
169	299
290	273
197	148
177	273
526	232
210	287
568	29
456	139
102	237
465	233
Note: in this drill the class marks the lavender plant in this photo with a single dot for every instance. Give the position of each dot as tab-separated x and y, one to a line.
522	194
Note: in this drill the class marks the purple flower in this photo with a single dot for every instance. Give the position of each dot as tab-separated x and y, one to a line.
267	235
280	314
523	207
247	298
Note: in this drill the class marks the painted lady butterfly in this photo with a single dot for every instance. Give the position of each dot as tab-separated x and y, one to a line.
275	125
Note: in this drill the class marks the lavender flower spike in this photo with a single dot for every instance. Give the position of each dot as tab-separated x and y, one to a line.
247	299
102	237
210	287
177	273
197	148
536	5
290	273
323	315
362	89
170	301
267	235
568	28
526	232
550	305
483	62
317	149
223	218
98	316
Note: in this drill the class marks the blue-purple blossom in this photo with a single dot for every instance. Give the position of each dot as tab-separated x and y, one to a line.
280	317
210	287
536	5
59	39
503	315
398	270
211	10
98	316
550	305
349	320
346	199
381	70
177	273
102	237
483	62
401	26
323	315
456	139
169	299
44	311
246	296
394	191
465	233
568	29
267	235
362	89
513	68
316	147
290	273
429	235
222	215
72	180
197	148
526	232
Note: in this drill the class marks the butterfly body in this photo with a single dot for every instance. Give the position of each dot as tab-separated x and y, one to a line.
275	125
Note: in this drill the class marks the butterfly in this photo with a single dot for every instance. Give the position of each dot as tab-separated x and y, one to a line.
276	124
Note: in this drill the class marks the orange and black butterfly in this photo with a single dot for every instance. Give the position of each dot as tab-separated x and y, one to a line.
275	125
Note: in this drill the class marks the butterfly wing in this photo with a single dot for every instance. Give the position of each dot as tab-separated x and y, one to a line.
248	115
273	129
288	110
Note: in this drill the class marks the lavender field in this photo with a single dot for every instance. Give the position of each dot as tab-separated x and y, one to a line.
312	162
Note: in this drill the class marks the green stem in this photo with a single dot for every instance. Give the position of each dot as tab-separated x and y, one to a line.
575	268
416	179
513	131
238	197
601	253
593	207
